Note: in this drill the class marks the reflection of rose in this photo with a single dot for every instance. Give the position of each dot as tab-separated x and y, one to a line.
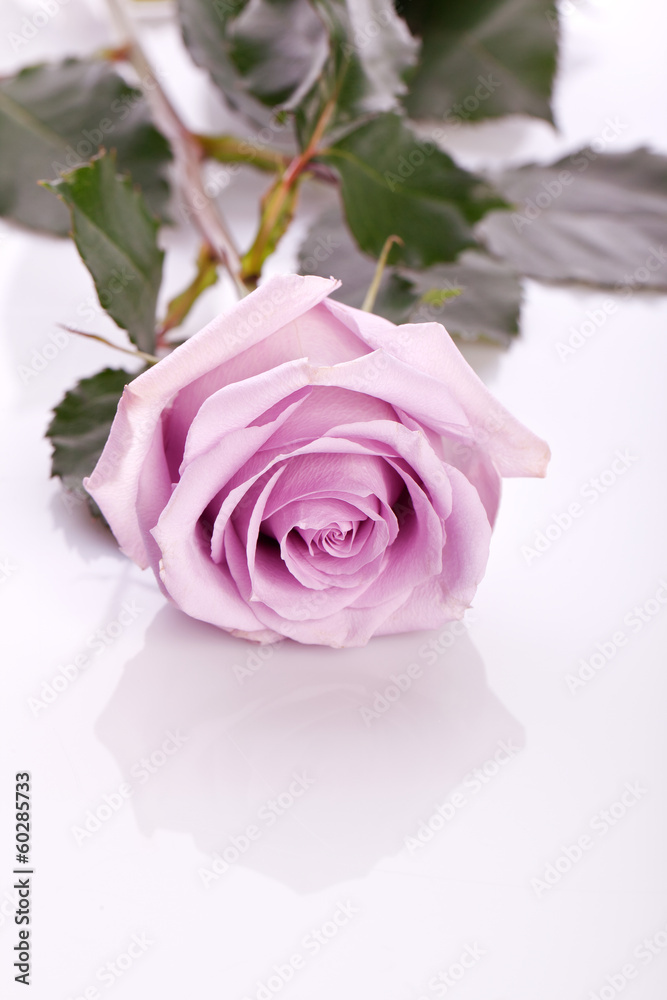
302	468
378	772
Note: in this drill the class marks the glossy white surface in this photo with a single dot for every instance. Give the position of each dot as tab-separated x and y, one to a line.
468	912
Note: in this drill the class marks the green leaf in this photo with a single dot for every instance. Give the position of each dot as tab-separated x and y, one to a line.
301	54
394	183
438	296
264	52
483	58
476	297
116	237
329	250
592	218
55	117
370	52
277	212
206	275
80	428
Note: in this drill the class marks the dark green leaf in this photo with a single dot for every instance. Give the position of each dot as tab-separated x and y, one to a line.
180	305
301	54
329	250
482	58
486	307
490	292
393	183
370	51
55	117
116	237
80	428
598	219
265	52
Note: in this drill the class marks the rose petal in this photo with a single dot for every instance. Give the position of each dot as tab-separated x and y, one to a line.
515	450
264	572
273	306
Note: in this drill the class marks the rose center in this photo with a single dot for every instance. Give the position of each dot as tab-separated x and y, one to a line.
335	539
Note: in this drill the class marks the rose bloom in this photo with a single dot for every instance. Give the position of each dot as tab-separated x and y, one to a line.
302	468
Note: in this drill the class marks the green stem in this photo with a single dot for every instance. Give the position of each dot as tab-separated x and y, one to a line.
277	210
187	154
149	358
230	149
278	202
372	292
180	305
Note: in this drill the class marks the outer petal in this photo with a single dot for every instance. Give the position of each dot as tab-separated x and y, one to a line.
446	597
115	481
192	579
514	449
288	378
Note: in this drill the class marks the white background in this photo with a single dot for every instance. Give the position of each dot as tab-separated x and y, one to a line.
479	881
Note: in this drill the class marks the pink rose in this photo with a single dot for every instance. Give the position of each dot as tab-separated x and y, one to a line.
301	468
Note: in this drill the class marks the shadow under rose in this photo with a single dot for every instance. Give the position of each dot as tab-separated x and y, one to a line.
82	532
304	763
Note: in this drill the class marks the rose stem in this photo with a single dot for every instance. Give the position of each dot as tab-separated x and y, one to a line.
149	358
179	307
276	199
188	153
230	149
372	292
